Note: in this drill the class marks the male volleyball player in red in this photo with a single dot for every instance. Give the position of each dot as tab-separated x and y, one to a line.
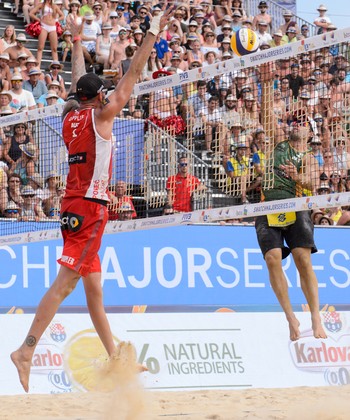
87	133
289	170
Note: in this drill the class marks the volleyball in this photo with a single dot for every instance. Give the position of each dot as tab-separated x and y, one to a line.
244	41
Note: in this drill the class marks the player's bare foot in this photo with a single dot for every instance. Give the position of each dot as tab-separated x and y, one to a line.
294	332
23	368
317	328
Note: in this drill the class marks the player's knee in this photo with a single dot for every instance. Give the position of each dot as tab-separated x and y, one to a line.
272	259
303	262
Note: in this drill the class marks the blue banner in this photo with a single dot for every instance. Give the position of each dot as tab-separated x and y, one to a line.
186	265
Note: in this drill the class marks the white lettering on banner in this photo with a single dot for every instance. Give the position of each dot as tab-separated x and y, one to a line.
319	268
169	284
13	277
202	358
234	270
31	266
141	284
248	267
285	266
200	269
345	270
110	257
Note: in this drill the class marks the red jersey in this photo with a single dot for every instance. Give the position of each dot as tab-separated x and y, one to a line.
89	156
182	189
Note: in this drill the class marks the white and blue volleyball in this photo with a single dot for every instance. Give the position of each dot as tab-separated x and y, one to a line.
244	41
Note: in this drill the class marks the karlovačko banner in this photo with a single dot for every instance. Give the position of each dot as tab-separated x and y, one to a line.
179	266
201	351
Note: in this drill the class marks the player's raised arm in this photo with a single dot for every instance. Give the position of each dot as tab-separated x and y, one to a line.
121	95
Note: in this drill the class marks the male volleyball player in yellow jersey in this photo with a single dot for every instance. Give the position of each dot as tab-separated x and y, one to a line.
87	133
289	168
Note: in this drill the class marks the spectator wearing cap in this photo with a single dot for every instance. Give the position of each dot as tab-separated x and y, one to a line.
18	49
97	11
50	98
30	63
193	31
229	110
238	7
262	15
263	35
66	46
316	144
234	133
322	21
288	22
290	36
103	45
21	65
118	200
12	211
210	44
117	50
322	130
236	24
237	170
296	82
177	63
128	12
52	180
277	39
226	33
120	16
30	209
5	101
22	100
90	31
249	112
25	166
225	49
138	37
34	85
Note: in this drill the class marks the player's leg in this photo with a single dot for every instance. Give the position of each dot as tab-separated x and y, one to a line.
309	285
271	242
94	298
279	285
300	239
64	284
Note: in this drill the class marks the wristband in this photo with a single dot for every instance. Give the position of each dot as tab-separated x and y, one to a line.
155	25
76	38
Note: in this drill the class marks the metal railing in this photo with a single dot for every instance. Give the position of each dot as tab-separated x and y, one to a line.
276	13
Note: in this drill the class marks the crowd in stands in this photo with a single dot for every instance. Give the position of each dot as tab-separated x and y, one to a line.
226	114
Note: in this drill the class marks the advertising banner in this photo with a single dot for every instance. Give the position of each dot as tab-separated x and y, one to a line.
201	351
179	266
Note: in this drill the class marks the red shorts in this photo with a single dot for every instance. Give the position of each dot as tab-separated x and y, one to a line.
82	226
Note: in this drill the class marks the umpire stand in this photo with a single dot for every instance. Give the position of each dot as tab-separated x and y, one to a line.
162	151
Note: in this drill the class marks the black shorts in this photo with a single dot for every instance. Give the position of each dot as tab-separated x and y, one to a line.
298	235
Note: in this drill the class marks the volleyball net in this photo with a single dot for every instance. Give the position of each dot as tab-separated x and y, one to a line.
220	123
